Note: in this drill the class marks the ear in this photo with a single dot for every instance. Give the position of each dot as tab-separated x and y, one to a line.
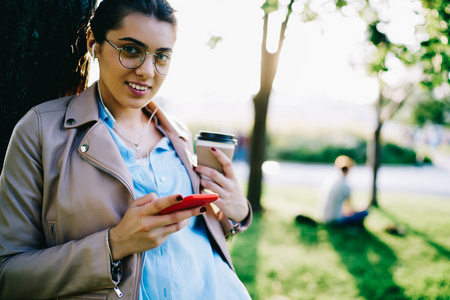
90	41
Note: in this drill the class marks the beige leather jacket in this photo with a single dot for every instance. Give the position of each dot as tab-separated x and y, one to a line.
63	185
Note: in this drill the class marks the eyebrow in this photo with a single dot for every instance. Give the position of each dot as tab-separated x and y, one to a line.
130	39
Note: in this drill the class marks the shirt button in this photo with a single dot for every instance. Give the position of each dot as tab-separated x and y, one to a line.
71	122
163	179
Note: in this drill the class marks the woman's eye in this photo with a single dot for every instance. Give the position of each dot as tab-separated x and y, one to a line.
162	57
130	49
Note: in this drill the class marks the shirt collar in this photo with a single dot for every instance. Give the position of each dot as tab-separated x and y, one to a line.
163	144
104	116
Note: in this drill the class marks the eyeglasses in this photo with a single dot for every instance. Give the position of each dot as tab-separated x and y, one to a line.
133	56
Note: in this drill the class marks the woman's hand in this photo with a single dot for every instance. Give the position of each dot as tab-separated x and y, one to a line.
142	228
231	200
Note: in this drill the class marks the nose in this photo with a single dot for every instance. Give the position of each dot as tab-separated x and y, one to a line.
147	68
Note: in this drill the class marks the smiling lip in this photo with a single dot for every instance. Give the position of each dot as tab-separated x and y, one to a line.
138	89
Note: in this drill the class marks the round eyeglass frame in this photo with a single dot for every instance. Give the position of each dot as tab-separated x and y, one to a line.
142	59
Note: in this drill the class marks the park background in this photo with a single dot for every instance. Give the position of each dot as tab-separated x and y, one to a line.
322	104
340	62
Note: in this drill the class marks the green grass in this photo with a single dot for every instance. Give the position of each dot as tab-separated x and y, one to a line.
279	259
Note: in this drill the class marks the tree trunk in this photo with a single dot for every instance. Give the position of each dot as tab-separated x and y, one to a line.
375	155
257	153
376	163
43	44
269	64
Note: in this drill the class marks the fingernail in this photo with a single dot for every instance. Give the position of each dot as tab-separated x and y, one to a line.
213	149
203	209
179	198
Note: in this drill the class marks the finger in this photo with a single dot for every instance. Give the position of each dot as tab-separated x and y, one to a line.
214	175
224	160
210	173
162	233
149	198
213	186
162	203
175	217
156	227
215	181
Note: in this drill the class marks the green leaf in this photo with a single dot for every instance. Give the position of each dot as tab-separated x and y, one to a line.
341	3
213	41
270	6
375	36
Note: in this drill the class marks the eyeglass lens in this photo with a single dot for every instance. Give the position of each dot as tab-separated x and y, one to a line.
132	56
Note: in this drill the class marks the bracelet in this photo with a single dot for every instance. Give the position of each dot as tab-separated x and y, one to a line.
234	227
115	265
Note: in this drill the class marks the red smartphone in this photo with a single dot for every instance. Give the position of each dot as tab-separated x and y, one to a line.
191	201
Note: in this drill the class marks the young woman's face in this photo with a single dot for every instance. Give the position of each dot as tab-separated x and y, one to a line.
122	88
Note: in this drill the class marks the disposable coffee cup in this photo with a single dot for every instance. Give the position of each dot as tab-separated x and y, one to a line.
205	140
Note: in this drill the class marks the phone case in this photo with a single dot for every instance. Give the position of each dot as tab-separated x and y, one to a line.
191	201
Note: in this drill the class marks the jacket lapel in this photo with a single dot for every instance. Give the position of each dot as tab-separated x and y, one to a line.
97	147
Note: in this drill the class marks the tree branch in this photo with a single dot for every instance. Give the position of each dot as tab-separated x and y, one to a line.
392	107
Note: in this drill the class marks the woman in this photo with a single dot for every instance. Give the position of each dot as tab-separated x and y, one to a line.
86	176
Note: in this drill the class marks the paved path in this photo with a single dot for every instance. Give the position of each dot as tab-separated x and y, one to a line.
424	179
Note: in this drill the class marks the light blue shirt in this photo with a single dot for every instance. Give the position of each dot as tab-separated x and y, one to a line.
185	266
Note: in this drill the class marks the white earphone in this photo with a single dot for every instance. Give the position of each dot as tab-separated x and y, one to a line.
93	51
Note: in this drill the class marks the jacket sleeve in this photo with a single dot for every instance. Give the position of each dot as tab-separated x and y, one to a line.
29	267
230	228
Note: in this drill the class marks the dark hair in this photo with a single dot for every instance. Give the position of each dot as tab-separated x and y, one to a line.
110	14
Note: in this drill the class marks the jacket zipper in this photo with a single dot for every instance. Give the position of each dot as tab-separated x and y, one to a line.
118	291
116	287
53	233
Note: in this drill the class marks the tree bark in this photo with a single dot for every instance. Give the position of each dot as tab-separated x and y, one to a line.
43	45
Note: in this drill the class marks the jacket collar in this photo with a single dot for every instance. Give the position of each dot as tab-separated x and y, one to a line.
83	109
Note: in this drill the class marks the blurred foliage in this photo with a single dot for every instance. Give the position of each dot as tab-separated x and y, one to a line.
213	41
434	51
327	154
270	6
431	50
434	111
431	53
395	154
321	150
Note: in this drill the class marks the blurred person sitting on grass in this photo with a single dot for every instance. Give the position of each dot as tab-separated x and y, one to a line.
334	206
335	203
